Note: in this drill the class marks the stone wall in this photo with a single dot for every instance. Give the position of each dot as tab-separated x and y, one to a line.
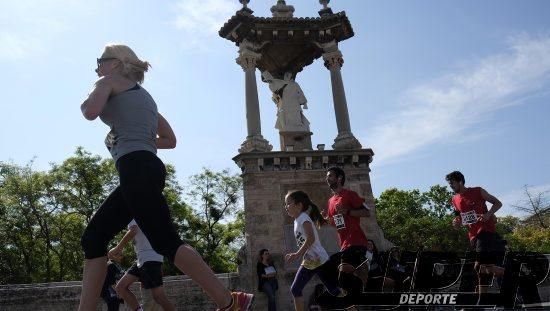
184	293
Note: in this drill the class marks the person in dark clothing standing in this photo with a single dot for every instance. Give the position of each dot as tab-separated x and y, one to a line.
267	278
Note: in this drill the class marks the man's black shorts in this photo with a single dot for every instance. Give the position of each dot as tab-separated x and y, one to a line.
354	255
489	248
149	274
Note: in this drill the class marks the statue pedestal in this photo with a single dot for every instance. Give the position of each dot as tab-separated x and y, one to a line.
267	177
299	141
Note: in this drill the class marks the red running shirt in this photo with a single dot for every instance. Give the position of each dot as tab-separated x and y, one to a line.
352	235
469	202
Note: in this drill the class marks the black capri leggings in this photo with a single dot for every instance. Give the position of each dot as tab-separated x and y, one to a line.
139	196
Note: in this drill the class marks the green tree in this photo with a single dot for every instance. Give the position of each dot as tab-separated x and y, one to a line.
216	229
507	224
24	227
81	183
530	238
438	200
43	216
536	206
416	220
530	233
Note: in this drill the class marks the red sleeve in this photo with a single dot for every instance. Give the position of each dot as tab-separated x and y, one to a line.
329	209
329	213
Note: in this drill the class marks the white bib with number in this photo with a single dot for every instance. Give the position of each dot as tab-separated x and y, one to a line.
468	218
339	221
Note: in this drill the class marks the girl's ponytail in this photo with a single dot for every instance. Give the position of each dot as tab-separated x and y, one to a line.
309	207
315	215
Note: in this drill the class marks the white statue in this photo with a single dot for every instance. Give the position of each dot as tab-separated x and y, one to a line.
289	98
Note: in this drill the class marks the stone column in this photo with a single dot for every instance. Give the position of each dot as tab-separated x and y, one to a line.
334	61
254	139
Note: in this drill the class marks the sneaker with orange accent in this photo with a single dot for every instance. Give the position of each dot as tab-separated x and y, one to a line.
241	302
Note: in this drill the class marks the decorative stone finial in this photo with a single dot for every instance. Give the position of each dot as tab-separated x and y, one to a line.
245	9
325	11
244	3
282	10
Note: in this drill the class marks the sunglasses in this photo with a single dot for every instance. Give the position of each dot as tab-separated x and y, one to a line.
104	59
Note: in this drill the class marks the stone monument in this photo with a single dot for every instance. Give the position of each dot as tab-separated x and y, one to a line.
280	47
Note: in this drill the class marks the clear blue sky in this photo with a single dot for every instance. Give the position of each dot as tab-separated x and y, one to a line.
432	86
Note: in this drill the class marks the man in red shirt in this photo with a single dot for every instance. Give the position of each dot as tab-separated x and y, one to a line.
345	208
471	211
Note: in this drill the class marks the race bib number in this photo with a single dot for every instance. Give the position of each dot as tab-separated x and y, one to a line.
468	218
300	239
339	221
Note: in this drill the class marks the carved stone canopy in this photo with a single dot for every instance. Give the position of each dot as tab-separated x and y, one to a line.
287	44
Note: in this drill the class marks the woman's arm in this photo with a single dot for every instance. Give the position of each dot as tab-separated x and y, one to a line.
166	138
93	105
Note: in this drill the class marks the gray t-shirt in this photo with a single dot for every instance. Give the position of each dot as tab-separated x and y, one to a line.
143	248
133	118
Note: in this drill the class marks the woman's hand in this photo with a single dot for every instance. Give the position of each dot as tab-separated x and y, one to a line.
93	105
115	252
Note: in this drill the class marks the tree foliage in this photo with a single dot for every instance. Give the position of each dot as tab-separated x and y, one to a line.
531	233
216	228
537	207
40	242
43	215
422	220
419	220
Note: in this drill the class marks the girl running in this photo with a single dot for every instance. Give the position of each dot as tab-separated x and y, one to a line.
315	257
